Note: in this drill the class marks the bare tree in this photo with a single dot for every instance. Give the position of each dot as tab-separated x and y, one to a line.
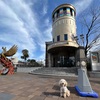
91	25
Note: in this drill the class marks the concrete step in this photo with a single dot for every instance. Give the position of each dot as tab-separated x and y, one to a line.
58	71
94	74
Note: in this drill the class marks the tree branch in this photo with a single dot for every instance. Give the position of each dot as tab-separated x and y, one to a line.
93	42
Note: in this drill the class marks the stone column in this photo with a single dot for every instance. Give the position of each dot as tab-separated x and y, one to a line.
49	60
80	56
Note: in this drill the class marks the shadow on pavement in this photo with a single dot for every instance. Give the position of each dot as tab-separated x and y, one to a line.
51	93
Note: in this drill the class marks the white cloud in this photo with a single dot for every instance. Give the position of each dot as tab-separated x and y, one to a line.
20	26
81	5
11	20
46	33
42	6
45	7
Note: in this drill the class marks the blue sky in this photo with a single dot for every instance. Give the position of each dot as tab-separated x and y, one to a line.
28	23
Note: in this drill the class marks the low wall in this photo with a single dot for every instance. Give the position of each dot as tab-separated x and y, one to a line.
94	74
26	69
95	66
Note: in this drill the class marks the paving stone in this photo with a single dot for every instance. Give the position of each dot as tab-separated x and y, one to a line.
23	86
37	98
6	96
48	98
15	98
23	98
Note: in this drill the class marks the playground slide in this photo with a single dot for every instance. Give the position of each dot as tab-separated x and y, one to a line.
7	66
5	71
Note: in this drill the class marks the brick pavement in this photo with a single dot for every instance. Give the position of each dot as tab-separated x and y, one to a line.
21	86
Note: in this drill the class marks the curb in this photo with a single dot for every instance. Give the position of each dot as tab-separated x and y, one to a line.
52	74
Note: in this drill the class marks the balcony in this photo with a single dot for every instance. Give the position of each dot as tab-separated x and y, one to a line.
62	44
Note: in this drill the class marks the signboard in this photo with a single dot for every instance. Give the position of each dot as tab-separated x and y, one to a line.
94	57
95	61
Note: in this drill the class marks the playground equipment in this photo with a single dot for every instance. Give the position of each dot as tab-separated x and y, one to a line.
8	67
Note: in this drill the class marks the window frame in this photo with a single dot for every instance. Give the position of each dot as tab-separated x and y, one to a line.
58	38
65	36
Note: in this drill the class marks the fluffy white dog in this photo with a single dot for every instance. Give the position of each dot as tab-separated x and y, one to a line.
63	88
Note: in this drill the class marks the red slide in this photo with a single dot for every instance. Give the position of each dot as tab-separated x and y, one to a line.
8	66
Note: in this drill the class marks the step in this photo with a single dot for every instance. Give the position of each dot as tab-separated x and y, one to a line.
56	71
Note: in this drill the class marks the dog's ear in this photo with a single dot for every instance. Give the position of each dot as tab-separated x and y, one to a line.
66	83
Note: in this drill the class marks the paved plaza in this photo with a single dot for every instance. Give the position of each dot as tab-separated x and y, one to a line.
23	86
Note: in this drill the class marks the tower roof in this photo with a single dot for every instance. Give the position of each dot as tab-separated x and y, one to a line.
64	5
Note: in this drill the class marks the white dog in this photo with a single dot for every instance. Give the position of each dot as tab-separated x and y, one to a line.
63	88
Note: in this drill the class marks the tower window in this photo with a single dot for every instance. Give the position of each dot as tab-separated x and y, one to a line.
68	13
55	15
61	12
65	37
58	38
73	13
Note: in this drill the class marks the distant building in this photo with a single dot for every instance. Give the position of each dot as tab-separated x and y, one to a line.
14	60
60	52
